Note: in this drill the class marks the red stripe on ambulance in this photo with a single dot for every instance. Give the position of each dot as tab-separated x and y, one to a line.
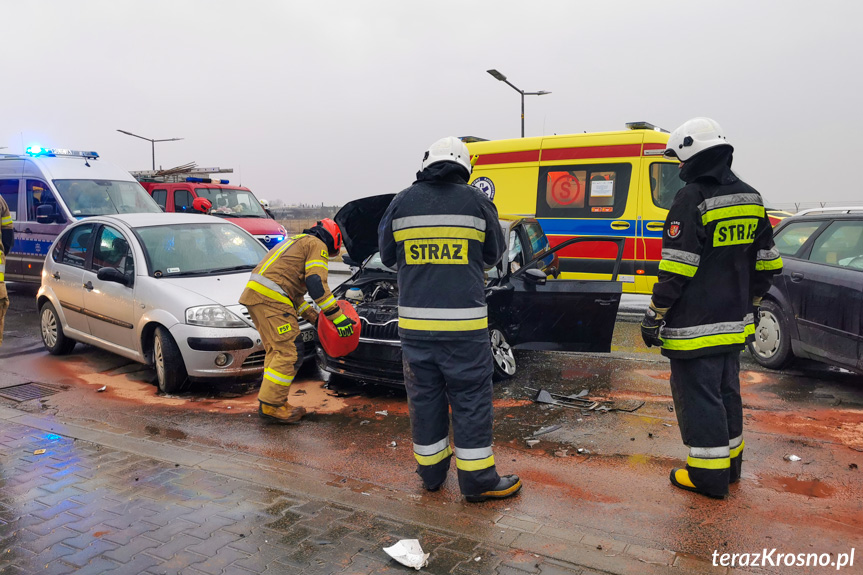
508	158
592	152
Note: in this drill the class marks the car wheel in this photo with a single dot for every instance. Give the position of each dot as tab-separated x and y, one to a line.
772	344
53	337
170	369
503	356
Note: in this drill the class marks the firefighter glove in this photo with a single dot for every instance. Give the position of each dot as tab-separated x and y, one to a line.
756	311
344	325
651	324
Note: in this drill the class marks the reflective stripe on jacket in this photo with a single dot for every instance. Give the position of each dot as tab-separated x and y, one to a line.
441	233
717	255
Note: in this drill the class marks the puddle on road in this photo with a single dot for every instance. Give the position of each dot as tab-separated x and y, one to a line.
813	488
169	433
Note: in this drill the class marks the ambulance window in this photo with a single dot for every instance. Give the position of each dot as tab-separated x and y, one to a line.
182	200
39	194
9	192
665	182
585	191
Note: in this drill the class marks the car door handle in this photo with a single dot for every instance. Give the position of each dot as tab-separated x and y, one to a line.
88	286
605	301
56	275
796	276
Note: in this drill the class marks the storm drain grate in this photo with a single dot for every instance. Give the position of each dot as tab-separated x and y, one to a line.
27	391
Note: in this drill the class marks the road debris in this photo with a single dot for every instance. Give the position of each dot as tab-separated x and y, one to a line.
383	412
392	444
547	429
667	424
582	451
103	388
39	452
852	466
365	422
580	401
561	453
532	442
791	457
409	553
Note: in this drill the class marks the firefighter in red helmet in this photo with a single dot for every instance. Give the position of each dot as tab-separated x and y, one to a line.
274	298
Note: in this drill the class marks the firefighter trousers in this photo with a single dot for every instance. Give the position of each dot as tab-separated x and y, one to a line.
4	306
451	374
279	333
706	392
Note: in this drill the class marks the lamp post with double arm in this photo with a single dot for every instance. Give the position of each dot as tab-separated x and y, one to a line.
502	78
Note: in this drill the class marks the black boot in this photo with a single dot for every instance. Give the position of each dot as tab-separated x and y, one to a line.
507	486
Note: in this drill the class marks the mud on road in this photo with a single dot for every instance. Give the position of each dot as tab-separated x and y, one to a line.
605	473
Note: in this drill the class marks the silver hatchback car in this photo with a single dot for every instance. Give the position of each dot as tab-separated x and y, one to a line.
161	289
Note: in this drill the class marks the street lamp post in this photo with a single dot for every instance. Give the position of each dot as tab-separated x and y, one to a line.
152	142
502	78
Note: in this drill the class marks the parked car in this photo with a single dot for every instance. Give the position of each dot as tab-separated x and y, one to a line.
528	307
813	310
161	289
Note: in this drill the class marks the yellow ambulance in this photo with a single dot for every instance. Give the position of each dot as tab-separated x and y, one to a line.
597	184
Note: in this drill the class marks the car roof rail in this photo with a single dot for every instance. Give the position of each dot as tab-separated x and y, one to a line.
839	209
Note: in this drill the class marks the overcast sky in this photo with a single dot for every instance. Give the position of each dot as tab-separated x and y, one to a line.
331	100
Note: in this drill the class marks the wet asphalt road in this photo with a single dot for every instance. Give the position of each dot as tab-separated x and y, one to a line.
615	486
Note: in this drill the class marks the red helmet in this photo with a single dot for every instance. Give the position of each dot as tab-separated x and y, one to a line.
202	204
332	228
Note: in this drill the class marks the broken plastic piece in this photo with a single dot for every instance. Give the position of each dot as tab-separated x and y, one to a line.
384	412
791	457
392	444
544	430
39	452
365	422
409	553
103	388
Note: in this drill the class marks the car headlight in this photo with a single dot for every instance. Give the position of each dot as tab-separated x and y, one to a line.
213	316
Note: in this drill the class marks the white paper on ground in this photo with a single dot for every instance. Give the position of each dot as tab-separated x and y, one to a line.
408	552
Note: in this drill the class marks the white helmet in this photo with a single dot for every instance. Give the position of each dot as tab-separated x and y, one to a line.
694	136
265	204
449	149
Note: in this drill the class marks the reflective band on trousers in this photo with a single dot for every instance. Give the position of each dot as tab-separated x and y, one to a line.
709	457
736	446
473	459
278	378
434	453
439	220
729	200
268	288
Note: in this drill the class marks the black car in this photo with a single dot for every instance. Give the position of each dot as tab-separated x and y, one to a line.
814	308
528	307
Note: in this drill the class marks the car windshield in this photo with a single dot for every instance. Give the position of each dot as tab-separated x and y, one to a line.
103	197
199	249
232	202
374	263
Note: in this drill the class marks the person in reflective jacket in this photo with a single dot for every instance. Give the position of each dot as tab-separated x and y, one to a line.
718	260
441	233
7	238
274	297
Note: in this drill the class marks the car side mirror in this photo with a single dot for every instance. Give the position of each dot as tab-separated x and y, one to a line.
46	214
535	276
112	275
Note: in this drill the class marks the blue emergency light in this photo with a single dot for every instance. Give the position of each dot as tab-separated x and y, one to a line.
195	180
54	152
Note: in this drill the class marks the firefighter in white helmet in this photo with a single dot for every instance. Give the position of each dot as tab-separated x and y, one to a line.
440	233
266	205
718	260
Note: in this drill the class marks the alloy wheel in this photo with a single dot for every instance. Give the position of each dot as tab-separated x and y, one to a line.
502	353
49	327
159	359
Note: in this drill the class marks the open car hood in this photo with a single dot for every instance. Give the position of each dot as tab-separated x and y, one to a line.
358	220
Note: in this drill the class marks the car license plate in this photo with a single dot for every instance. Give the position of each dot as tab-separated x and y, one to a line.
308	335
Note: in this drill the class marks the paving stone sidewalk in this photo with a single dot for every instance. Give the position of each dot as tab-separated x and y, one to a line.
81	507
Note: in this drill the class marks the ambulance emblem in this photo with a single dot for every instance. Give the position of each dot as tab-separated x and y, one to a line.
674	229
485	185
